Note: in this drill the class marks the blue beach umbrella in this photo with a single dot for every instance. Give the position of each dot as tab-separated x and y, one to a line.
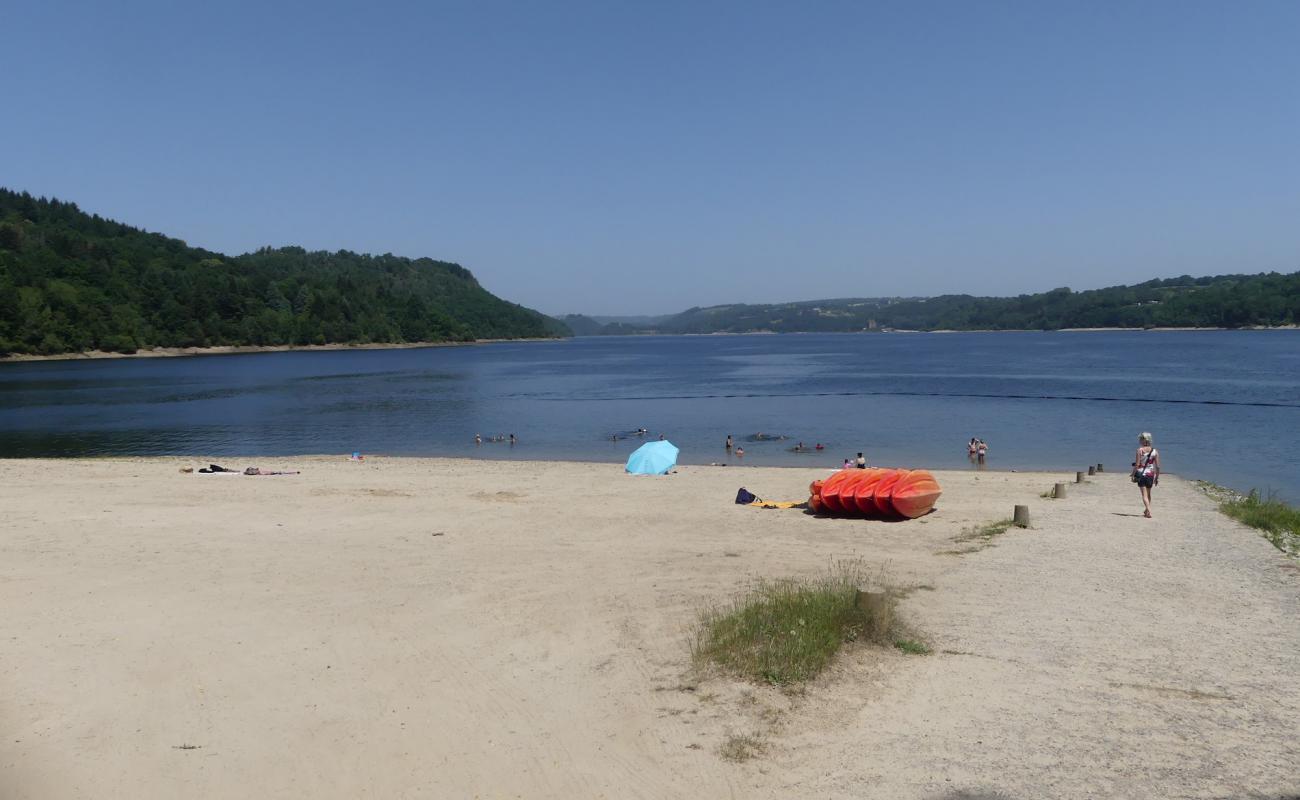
652	458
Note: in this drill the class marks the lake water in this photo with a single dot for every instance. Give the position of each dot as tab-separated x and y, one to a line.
1223	405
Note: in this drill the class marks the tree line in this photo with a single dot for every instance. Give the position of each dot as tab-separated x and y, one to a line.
72	281
1222	301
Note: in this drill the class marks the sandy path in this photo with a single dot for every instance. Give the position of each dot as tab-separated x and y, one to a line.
311	636
1098	655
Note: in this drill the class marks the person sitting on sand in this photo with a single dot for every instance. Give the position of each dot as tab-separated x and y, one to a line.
848	463
861	462
1146	470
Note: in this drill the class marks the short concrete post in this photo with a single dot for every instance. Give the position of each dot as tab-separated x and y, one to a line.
1078	477
1092	470
1059	491
1099	469
1021	517
879	611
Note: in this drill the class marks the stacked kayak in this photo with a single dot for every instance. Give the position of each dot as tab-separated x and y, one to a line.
878	493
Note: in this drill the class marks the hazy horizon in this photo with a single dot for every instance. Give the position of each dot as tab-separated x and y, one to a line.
616	161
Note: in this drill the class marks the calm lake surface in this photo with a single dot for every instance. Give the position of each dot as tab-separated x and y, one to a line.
1223	405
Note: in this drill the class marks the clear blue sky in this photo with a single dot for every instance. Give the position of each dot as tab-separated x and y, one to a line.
607	157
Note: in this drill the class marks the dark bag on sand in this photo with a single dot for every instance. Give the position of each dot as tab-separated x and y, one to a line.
744	498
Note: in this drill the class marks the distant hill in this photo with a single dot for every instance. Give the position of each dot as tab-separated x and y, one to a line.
583	325
71	281
1224	301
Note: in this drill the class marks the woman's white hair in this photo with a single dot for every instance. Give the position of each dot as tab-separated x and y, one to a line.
1144	437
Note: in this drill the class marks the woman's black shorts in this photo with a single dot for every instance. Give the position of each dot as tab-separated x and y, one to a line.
1146	480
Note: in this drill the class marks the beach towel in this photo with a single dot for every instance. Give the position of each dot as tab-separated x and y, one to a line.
744	497
779	504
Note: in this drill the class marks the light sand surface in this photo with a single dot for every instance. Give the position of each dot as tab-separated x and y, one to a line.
405	628
236	349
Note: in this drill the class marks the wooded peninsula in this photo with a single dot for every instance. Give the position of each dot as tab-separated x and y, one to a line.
72	282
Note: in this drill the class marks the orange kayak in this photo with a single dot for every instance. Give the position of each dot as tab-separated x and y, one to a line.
875	493
831	491
863	488
915	494
815	497
883	491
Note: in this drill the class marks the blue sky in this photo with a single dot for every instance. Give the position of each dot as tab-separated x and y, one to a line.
612	157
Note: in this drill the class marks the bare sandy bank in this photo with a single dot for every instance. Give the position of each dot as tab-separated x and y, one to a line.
448	628
225	350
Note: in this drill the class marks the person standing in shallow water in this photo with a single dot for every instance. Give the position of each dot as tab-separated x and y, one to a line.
730	444
1146	470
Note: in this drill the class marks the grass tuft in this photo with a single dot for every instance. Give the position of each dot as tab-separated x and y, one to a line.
739	748
787	631
984	533
1277	521
978	537
913	647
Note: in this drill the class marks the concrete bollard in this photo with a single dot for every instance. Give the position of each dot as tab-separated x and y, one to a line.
1099	469
1078	477
1021	517
1092	470
879	611
1059	492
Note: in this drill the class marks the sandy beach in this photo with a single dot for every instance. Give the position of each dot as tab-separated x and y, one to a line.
442	628
233	349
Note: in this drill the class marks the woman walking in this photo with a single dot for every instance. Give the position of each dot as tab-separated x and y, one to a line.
1146	470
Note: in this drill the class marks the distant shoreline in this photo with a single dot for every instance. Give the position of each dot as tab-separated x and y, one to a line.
942	330
228	350
225	350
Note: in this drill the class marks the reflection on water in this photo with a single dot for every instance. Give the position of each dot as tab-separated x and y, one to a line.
1223	405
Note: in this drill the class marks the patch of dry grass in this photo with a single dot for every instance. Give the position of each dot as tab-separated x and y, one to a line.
978	537
1275	520
739	748
786	631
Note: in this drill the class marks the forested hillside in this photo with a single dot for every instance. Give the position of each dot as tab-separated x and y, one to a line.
71	281
1225	301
